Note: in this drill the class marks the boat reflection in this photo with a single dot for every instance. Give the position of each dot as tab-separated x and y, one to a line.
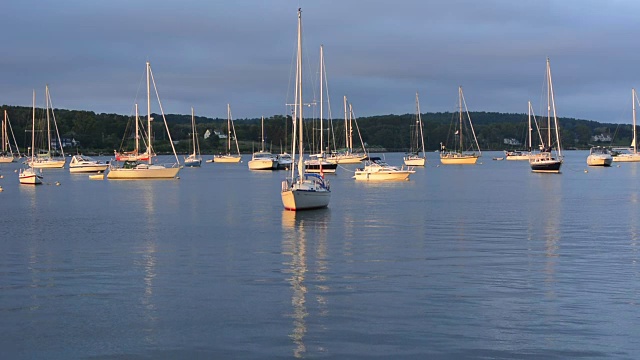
301	229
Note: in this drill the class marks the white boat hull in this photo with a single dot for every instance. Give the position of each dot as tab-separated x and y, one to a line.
88	168
47	164
599	160
29	177
262	164
143	173
400	175
627	158
227	159
518	157
312	193
345	159
458	159
415	161
7	159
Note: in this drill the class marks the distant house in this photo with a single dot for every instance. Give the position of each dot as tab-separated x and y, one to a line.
219	134
602	138
66	143
512	142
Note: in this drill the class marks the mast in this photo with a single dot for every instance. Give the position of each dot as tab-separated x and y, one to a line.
229	129
634	96
137	132
149	112
529	147
548	105
555	117
346	127
193	130
350	128
48	124
262	136
33	127
321	87
420	124
299	84
5	138
460	106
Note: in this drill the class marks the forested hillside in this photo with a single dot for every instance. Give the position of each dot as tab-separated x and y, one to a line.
103	133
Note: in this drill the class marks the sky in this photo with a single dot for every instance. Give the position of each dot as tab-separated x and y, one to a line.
205	54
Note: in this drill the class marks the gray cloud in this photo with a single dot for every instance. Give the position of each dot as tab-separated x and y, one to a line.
205	54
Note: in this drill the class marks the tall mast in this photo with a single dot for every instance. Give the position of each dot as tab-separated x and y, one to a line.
460	107
33	127
548	105
299	84
149	111
555	116
229	129
321	87
420	124
346	127
529	129
48	124
634	96
262	133
137	132
193	131
5	138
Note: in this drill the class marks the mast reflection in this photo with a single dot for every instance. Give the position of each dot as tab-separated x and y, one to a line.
297	228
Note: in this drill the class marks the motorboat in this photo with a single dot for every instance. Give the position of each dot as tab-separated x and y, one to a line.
599	156
86	164
375	169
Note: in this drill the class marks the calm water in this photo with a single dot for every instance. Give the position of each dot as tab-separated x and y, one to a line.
488	261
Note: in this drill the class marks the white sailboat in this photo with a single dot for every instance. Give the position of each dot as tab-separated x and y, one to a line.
302	191
29	175
263	160
194	159
136	170
229	157
461	153
413	158
45	158
317	163
523	154
632	154
347	156
8	154
546	161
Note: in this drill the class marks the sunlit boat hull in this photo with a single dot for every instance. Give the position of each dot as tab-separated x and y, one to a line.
227	158
143	173
414	161
47	164
599	160
193	162
88	168
7	159
312	193
263	164
29	177
517	155
627	158
458	159
345	159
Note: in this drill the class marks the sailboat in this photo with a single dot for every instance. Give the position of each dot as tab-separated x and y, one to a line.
524	154
304	191
228	157
29	175
135	154
461	154
8	155
413	158
546	161
317	164
347	156
632	155
263	160
194	160
45	159
135	170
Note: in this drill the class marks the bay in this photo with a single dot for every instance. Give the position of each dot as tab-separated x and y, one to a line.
485	261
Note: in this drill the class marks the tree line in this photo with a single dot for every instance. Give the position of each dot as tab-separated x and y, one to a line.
102	133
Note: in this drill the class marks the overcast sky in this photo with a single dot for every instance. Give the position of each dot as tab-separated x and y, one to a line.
208	53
